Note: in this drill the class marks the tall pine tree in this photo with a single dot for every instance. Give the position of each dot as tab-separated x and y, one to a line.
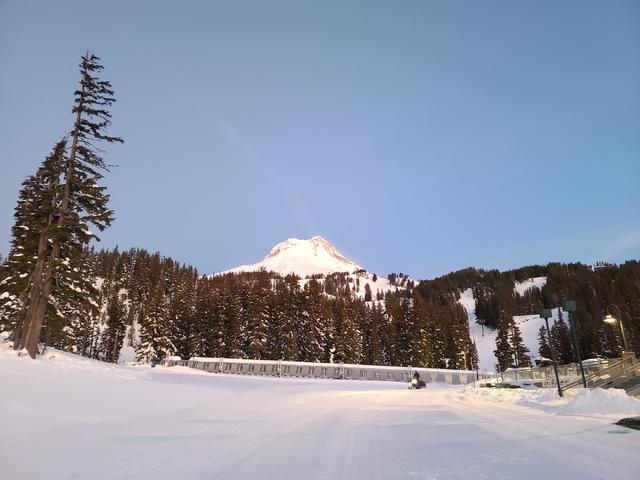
503	351
78	203
520	350
113	336
156	329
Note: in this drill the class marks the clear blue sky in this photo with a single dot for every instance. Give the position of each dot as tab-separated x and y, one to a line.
420	137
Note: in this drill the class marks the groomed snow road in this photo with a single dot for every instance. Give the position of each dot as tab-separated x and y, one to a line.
70	418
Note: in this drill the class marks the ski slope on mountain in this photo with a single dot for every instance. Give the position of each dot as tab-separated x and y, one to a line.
314	256
485	337
535	282
73	418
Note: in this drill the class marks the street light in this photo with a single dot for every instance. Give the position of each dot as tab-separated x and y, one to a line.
611	320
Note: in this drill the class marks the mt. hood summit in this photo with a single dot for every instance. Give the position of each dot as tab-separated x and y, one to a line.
303	257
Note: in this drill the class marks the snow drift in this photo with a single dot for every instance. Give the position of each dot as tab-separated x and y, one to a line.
610	403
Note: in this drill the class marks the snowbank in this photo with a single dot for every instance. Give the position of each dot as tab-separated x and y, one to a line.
601	402
54	359
598	402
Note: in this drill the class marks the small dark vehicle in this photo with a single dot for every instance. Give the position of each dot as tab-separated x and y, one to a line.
416	383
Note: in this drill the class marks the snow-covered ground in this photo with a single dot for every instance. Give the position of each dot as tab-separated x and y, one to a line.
72	418
535	282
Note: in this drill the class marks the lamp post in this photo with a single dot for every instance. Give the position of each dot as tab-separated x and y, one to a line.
570	306
546	314
611	319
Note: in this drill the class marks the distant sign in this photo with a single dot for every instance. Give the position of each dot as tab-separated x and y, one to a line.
546	313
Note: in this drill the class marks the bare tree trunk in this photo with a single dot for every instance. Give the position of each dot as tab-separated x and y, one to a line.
36	312
24	332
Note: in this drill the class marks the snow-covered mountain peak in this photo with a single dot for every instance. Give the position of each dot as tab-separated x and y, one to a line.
312	256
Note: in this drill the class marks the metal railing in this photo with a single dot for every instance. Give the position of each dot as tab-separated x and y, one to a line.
622	379
603	377
545	375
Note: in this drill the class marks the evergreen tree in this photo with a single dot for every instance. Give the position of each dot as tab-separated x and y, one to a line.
259	317
231	313
352	331
213	322
291	313
439	326
457	339
79	203
76	304
315	325
373	336
503	351
473	355
155	329
339	345
113	336
561	338
520	351
275	321
543	344
402	330
367	292
181	314
349	317
424	319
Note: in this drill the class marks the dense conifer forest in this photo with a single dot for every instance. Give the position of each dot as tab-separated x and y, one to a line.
168	308
594	288
259	315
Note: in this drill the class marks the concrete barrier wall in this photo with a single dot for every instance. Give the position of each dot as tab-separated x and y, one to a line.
276	368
